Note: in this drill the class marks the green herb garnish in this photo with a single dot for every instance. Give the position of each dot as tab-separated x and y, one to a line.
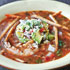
61	43
59	52
39	61
59	55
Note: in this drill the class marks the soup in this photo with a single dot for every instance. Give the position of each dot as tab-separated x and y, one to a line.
34	37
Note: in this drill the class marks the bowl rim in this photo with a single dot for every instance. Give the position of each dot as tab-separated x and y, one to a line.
18	2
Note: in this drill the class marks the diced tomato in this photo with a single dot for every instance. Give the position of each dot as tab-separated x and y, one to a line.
42	29
69	50
24	30
47	58
31	31
52	55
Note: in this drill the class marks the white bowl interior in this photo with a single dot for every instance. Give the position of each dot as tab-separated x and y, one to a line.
29	6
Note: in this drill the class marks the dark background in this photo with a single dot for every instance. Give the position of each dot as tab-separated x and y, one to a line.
2	2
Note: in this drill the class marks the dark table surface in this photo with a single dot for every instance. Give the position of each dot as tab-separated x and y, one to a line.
2	2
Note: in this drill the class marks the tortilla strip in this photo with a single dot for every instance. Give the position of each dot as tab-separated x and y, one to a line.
9	26
57	13
50	22
29	42
66	34
10	31
56	32
56	38
11	16
57	23
67	37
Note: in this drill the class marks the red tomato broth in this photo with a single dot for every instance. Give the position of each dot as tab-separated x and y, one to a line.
40	55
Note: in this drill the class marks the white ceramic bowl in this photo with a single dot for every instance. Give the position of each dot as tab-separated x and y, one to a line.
29	6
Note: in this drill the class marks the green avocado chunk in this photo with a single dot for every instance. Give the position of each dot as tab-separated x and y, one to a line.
23	40
37	37
50	36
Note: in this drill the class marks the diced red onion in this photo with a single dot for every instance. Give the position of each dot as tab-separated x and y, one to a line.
35	45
